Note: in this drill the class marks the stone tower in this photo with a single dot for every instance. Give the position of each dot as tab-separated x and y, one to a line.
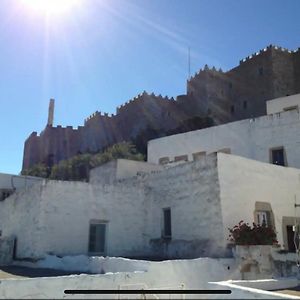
51	113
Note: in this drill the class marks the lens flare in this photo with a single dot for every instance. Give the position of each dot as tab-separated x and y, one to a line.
51	6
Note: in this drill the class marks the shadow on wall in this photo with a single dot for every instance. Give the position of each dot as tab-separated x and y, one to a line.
174	249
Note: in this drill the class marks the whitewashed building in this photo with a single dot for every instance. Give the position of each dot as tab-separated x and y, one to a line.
168	210
10	183
182	211
274	138
283	104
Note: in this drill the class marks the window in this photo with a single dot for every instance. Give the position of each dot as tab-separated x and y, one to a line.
245	104
181	158
225	150
296	107
232	109
97	238
5	194
261	71
164	160
263	217
199	155
167	231
263	214
278	156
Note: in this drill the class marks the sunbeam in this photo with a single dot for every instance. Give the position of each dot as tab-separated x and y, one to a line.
51	6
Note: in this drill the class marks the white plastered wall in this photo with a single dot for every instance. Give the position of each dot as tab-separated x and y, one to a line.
10	181
54	217
20	217
283	103
244	182
251	138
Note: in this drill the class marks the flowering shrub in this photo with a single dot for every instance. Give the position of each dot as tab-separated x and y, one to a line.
243	234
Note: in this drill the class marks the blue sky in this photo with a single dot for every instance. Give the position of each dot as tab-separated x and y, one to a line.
102	53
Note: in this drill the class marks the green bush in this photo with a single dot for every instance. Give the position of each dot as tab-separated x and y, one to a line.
79	166
38	170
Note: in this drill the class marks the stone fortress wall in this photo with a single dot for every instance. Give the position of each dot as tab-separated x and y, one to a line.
237	94
242	92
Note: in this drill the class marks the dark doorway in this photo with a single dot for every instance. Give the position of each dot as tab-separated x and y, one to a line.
278	157
290	238
97	238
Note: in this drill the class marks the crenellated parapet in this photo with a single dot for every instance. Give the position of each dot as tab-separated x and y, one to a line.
32	136
266	49
140	99
206	70
98	115
60	127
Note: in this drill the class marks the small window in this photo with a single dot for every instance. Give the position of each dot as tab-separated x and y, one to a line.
232	109
167	230
5	194
263	218
278	156
225	150
295	107
261	71
245	104
181	158
164	160
199	155
230	85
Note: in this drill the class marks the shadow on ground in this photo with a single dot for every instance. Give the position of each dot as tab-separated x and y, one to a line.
17	271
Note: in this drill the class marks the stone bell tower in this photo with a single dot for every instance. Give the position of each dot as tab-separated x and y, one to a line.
51	113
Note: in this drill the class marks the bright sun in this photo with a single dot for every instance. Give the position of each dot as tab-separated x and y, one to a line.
51	6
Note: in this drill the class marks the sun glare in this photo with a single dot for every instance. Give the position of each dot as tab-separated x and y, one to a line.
51	6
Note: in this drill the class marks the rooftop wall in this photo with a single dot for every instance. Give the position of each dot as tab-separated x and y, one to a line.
244	182
251	138
283	104
9	181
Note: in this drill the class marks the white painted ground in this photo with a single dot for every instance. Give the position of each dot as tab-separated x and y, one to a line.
201	273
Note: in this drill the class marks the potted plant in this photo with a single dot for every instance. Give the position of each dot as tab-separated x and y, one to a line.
253	246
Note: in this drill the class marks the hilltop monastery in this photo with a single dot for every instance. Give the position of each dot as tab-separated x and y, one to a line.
194	186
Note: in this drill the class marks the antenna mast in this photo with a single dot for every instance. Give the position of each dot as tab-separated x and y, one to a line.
189	62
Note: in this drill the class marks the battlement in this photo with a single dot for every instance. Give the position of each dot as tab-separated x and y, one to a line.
33	135
213	70
266	49
206	70
98	115
142	97
64	128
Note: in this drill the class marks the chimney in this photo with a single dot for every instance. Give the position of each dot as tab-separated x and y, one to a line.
51	113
